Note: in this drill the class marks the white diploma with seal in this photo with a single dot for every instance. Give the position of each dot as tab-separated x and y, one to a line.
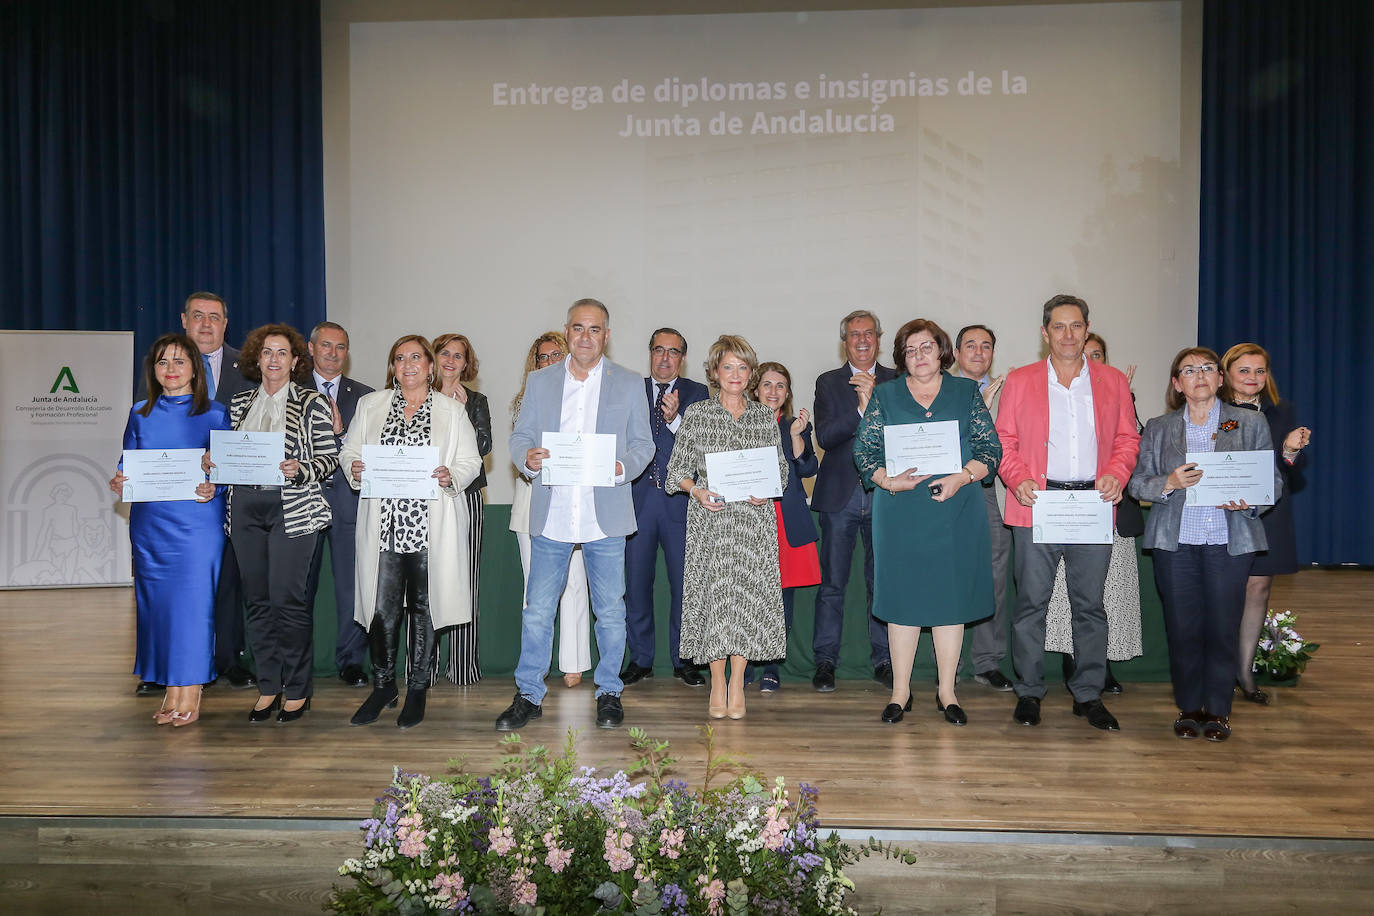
738	475
578	460
930	448
1232	477
1071	517
399	472
160	475
244	457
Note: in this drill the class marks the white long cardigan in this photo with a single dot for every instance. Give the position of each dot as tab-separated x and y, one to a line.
450	589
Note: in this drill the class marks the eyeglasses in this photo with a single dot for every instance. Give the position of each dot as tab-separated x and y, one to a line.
543	359
924	349
1190	371
667	351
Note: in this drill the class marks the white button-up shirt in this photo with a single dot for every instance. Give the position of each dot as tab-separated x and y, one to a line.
572	510
871	371
1073	428
268	413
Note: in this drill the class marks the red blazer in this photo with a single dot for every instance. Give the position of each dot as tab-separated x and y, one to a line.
1023	425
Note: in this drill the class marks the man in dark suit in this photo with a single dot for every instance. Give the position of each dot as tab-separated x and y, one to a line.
661	519
328	351
846	509
205	318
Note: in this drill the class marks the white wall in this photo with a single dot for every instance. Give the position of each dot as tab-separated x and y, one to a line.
447	212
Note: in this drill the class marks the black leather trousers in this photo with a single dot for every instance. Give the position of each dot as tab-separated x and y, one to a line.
402	591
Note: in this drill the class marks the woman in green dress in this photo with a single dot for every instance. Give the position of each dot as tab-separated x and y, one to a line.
932	560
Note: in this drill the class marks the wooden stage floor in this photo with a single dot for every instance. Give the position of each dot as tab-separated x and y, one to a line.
75	741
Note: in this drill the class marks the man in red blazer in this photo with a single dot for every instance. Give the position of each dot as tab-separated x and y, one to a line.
1067	423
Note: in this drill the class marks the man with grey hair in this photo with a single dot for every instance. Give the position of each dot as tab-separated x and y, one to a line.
329	351
586	393
845	507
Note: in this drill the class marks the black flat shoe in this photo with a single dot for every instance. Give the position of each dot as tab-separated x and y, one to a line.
239	678
824	678
633	674
1096	714
609	712
148	689
1253	696
1027	710
689	675
262	715
1188	724
1217	728
883	675
413	713
291	715
894	713
353	676
1112	685
380	698
517	714
953	714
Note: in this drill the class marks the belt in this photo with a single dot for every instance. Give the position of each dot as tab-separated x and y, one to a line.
1070	484
257	486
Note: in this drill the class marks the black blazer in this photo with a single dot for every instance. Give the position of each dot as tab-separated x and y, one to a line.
837	422
479	413
797	523
346	395
688	393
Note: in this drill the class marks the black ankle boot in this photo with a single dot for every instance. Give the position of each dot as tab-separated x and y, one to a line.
380	698
413	713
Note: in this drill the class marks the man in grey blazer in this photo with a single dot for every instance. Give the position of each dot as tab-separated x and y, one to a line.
586	393
328	351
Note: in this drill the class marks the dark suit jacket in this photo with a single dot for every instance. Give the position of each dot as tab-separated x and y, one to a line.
837	422
688	392
797	522
346	395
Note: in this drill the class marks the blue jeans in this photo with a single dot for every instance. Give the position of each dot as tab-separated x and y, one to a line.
605	561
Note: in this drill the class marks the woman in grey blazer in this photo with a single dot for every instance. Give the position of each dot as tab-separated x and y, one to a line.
1202	554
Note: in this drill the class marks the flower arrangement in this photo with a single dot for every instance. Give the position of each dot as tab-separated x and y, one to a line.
544	836
1282	652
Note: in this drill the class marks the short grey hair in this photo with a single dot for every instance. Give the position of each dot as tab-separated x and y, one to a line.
328	326
595	303
854	316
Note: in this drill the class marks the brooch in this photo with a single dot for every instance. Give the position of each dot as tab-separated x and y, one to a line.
1229	425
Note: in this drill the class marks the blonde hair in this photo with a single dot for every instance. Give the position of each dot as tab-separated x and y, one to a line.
728	343
532	363
1271	388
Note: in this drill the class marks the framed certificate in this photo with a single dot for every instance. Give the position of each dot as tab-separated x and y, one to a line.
244	457
748	472
400	472
930	448
1232	477
159	475
1071	517
578	460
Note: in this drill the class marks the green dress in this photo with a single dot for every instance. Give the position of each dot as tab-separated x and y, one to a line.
932	562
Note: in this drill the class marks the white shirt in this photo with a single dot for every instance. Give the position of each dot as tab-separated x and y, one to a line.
268	413
321	381
1073	428
572	510
871	370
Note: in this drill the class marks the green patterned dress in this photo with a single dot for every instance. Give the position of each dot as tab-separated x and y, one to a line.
731	587
932	562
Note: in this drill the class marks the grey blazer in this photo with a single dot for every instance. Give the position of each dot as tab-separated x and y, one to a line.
1164	446
623	409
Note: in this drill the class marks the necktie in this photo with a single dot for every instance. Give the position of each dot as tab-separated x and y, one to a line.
209	374
658	425
329	391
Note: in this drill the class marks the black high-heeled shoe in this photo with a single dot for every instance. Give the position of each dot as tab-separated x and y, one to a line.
1254	696
892	712
953	714
291	715
262	715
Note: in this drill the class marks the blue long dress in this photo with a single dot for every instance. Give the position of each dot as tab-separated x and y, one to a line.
177	548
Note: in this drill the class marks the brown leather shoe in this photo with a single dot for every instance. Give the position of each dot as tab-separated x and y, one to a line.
1188	724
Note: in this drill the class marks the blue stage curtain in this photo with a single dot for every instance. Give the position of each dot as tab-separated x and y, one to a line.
1287	228
152	148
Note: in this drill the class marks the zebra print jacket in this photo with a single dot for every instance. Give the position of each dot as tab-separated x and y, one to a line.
310	440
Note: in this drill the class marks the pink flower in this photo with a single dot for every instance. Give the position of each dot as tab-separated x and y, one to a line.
670	842
449	887
502	840
713	892
617	850
411	836
558	859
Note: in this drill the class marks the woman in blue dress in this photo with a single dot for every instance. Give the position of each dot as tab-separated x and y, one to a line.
176	545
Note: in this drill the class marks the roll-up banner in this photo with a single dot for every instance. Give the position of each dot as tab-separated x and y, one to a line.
65	397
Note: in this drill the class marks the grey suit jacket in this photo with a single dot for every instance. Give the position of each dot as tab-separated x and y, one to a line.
623	410
1164	446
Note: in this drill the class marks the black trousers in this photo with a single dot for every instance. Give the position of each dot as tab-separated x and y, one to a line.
229	639
402	591
274	569
1202	589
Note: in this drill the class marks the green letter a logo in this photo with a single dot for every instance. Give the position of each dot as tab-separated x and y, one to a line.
66	373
